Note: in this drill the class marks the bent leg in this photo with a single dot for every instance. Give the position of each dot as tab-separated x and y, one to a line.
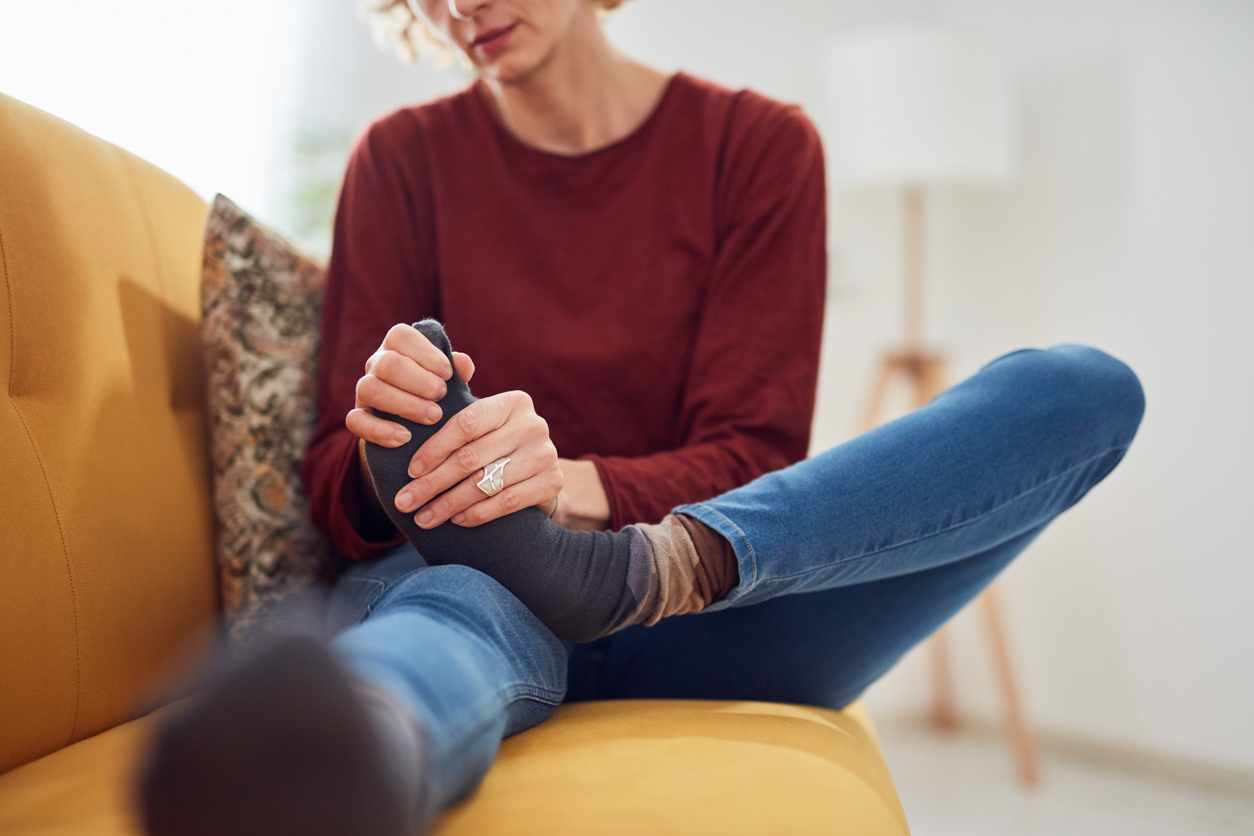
818	648
995	456
989	460
466	658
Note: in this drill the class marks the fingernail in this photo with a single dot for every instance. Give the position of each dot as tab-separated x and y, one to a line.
459	519
433	414
424	518
402	436
405	502
415	470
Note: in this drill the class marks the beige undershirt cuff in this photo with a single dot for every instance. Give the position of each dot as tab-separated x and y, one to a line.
693	567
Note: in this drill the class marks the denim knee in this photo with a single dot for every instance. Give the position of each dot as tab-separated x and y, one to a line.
1107	392
487	609
455	590
1081	390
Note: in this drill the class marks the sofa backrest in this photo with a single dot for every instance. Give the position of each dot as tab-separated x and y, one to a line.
106	528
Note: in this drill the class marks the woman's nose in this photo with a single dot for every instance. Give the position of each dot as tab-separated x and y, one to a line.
466	9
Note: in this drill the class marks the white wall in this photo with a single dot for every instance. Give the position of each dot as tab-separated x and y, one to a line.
1130	230
346	80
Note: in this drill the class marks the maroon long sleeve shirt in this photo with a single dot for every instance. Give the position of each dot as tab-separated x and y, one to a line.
660	299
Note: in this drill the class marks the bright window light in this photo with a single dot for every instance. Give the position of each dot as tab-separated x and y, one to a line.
199	89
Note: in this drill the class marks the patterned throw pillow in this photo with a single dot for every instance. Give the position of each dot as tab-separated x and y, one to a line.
261	302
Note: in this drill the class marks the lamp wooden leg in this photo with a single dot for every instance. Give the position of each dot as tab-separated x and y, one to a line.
932	378
1018	732
944	713
879	394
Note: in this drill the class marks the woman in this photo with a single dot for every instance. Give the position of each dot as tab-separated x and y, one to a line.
643	256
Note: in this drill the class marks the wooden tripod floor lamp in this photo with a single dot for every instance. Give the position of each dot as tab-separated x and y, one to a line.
909	110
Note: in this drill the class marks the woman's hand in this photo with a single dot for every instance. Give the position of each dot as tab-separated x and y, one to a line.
446	468
405	377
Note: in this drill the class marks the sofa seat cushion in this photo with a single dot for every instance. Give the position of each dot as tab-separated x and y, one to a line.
623	766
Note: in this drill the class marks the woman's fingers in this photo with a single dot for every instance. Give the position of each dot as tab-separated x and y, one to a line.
447	466
466	493
405	374
375	393
466	460
538	490
529	481
363	424
475	421
409	341
464	365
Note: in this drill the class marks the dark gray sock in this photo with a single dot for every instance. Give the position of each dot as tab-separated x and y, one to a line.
281	744
581	584
406	748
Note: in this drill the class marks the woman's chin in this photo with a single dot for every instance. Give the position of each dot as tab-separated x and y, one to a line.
509	68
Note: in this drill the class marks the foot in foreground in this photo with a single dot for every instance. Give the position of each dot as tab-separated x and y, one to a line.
285	743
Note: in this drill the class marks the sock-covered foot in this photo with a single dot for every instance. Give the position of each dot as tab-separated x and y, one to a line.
581	584
284	744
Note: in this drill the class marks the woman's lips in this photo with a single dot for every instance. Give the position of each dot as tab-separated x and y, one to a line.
494	40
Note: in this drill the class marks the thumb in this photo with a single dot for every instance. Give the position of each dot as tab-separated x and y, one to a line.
464	365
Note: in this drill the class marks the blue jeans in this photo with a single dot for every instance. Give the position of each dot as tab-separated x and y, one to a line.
847	560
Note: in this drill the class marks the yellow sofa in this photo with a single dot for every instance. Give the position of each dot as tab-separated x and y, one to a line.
106	533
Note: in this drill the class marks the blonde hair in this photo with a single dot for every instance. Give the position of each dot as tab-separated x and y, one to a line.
395	26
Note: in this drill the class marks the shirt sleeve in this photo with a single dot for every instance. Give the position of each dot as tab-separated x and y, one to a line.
749	399
380	273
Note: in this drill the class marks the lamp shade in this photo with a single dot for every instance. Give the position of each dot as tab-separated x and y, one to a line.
919	108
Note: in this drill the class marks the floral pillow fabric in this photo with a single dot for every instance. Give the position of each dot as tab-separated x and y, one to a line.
261	302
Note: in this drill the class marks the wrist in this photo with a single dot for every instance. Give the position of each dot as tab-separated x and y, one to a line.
582	503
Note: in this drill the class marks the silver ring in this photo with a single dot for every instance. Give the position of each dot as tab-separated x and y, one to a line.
493	477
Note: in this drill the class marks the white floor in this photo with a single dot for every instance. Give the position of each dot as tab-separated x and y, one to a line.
963	785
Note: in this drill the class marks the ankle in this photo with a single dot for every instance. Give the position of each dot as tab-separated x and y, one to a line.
693	566
718	573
